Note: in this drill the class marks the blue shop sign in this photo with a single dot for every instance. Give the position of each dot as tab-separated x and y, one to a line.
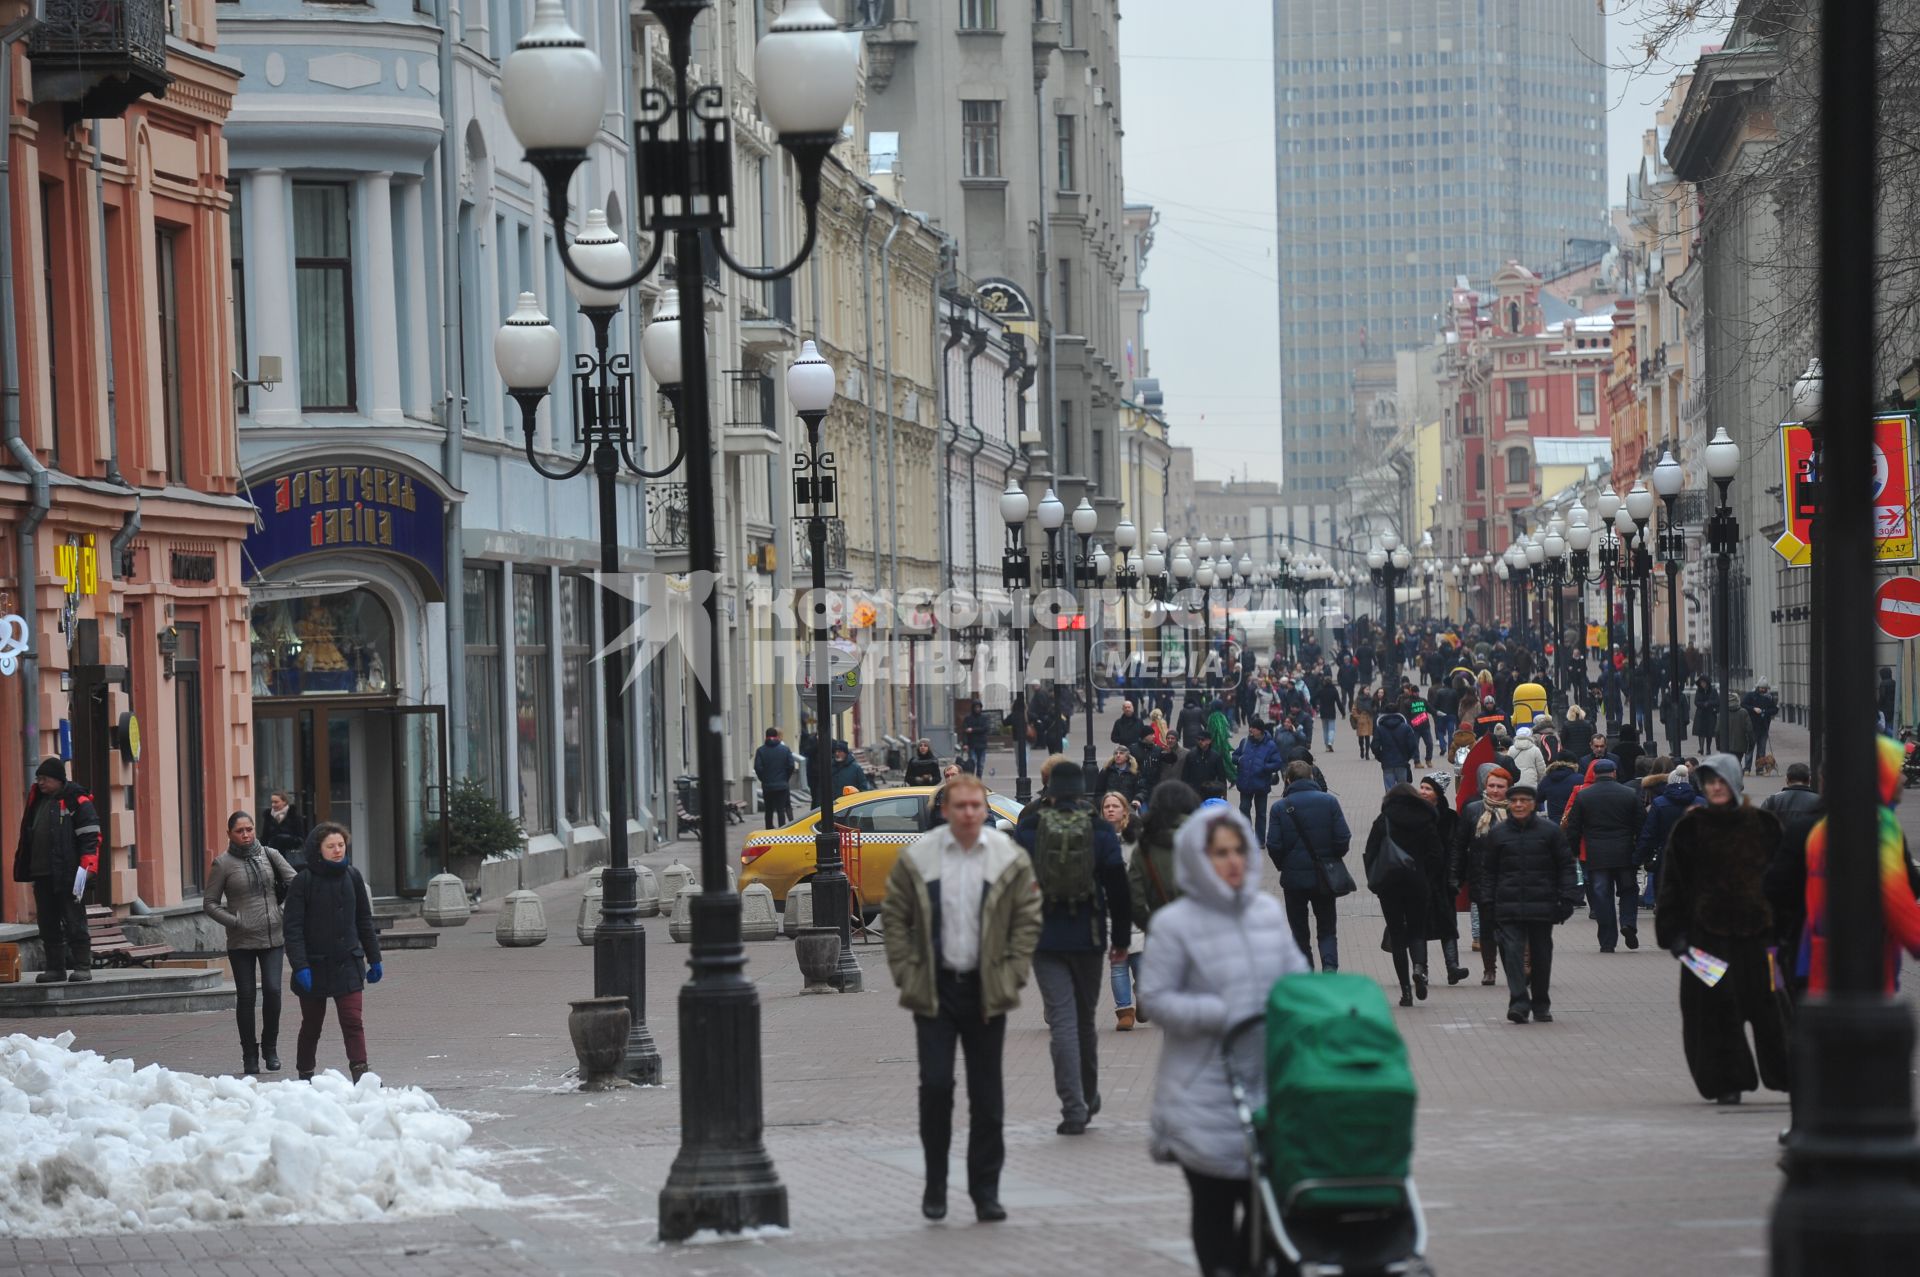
365	508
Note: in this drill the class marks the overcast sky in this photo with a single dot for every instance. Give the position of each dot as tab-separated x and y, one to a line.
1197	97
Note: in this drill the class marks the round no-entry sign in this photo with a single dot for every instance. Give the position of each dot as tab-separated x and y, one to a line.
1896	607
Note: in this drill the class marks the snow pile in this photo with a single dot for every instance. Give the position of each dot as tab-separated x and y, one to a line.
95	1145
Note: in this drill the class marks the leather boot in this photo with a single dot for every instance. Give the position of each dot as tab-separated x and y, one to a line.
1400	970
357	1069
270	1056
1420	982
936	1139
250	1059
1450	951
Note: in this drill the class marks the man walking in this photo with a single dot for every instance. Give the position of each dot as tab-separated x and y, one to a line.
59	836
773	767
1307	825
961	919
1527	872
1086	923
975	729
1128	729
1604	820
1257	761
1394	747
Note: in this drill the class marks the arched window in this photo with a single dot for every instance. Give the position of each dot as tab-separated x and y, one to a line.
329	645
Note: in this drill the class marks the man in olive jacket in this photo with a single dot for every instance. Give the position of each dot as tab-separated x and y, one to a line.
961	921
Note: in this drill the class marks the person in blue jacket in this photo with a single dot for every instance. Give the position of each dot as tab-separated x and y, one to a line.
1395	746
1672	802
1306	825
1257	763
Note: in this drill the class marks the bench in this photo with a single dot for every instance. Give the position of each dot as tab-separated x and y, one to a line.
111	946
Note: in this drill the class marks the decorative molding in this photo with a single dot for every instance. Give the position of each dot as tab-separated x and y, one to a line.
344	71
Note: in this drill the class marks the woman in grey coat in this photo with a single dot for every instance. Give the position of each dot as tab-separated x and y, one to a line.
1214	955
242	895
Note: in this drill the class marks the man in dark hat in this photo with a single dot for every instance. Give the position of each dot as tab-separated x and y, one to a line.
59	837
1086	922
1603	822
1526	871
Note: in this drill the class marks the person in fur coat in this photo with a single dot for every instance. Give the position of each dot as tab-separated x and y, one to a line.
1712	897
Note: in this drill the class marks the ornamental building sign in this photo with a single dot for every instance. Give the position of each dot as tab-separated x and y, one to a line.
383	509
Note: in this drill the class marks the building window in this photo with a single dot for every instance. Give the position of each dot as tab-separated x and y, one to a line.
1066	152
49	206
1066	24
481	594
577	700
1063	437
323	295
980	139
532	706
1479	473
1518	466
1063	321
979	15
1587	408
236	255
1517	400
1099	475
165	264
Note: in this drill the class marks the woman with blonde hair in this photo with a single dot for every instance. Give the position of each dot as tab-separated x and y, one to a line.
1117	810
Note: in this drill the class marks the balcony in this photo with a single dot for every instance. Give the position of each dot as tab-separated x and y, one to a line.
766	318
98	57
668	519
749	429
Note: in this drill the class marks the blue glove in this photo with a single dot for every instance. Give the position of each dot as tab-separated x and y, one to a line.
303	980
374	973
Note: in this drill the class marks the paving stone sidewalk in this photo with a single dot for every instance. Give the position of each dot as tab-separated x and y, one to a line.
1572	1148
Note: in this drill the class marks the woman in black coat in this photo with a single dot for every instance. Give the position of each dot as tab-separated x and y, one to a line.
924	767
331	946
1443	917
1407	903
1705	714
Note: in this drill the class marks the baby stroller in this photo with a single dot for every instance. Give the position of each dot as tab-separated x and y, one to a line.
1332	1145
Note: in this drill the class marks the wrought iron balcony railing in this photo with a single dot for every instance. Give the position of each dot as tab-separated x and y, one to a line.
98	57
667	516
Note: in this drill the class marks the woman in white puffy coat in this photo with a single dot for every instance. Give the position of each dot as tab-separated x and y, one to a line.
1214	955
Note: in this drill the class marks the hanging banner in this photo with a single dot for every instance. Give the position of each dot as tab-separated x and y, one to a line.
1893	529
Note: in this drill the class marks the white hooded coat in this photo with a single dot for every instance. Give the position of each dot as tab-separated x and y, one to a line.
1214	956
1528	757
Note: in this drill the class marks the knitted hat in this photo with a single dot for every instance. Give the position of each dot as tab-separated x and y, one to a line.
1524	731
1679	775
51	767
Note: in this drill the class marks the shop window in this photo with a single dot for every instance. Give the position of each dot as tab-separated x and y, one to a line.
577	700
332	645
533	702
481	593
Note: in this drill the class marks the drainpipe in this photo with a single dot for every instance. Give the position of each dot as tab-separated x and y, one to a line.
41	498
453	419
129	526
957	330
893	506
975	348
873	438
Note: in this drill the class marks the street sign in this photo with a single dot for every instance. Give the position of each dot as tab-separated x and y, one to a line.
839	661
1893	495
1896	607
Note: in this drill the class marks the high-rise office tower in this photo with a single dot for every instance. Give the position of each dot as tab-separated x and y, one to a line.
1417	141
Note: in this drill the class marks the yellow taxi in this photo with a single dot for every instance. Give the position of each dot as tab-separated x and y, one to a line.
884	820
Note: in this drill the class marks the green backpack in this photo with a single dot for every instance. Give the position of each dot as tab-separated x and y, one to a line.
1340	1094
1063	856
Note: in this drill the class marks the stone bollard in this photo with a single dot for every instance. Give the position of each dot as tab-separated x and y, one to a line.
594	874
588	924
646	891
523	921
446	904
674	877
799	913
680	925
758	920
598	1027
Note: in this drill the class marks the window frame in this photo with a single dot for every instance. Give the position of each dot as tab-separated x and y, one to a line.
980	139
485	761
1521	460
166	278
1518	393
1587	396
532	668
576	657
1066	169
343	268
237	282
979	15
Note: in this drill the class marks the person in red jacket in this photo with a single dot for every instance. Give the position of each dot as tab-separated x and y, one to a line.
59	836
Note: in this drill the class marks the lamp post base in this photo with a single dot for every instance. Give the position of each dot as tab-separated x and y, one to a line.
1851	1202
620	970
833	907
723	1179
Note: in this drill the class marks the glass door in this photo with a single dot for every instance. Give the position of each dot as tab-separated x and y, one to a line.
419	770
195	855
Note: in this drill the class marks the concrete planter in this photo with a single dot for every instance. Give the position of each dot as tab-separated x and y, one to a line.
446	902
598	1027
758	921
680	925
799	911
587	925
647	893
818	951
523	921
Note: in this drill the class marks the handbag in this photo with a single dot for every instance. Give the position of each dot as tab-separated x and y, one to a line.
1392	867
1330	872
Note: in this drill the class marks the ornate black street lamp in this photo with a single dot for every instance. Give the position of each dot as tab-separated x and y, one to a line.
1639	505
1087	582
1053	576
1203	576
1723	538
1554	571
1181	570
1016	577
1388	562
810	387
1624	561
1667	480
1126	580
806	76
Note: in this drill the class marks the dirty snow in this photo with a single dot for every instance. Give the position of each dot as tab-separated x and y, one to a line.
96	1145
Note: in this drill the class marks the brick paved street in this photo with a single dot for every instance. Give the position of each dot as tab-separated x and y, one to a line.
1574	1148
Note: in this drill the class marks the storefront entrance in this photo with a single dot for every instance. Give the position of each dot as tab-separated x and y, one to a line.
373	766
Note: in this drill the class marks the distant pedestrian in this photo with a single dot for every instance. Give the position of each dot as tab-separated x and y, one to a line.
1121	775
1713	898
1603	825
1674	800
1406	831
1306	829
1215	953
1150	874
332	948
1326	702
243	892
961	919
773	767
1761	707
924	767
1086	912
1256	766
1117	810
975	731
59	837
1360	718
282	829
1526	870
1395	747
846	773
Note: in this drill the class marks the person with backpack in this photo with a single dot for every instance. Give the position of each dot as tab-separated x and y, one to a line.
1674	800
1216	952
1150	874
1404	852
59	837
1086	923
961	919
1308	839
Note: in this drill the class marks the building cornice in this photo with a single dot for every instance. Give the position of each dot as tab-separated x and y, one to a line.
1713	108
